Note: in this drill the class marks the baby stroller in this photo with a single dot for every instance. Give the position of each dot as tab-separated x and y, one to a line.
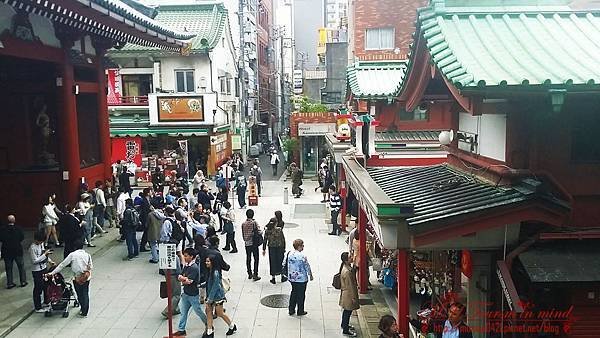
60	294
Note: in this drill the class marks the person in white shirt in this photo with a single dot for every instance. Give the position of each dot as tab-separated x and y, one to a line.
123	196
99	208
40	260
50	219
81	262
274	162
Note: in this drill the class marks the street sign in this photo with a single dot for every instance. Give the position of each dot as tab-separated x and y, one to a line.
167	256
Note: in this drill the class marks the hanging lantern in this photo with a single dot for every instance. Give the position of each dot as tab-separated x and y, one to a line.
466	263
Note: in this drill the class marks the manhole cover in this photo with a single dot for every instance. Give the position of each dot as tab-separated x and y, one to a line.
290	225
276	301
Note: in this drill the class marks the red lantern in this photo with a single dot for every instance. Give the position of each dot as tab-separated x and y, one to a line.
466	263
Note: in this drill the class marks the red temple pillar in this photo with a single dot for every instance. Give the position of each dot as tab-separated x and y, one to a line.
403	293
103	121
362	269
68	133
343	195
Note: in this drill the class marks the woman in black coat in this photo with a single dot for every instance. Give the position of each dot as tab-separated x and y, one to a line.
205	197
70	229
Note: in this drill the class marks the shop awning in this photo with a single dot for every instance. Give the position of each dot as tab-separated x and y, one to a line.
563	261
375	79
503	45
144	132
439	202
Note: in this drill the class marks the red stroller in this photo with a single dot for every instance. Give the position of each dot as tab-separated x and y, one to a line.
60	293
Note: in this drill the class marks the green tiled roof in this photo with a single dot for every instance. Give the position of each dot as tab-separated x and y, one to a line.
375	79
512	46
206	21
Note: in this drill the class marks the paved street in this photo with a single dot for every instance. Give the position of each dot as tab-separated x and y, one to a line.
125	302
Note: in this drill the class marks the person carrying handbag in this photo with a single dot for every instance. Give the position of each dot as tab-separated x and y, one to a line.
349	295
82	266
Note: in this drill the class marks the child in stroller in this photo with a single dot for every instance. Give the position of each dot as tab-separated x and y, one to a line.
60	294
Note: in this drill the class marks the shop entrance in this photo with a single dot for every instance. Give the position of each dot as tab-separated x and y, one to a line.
314	149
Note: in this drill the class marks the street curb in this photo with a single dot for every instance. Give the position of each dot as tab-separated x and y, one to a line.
110	244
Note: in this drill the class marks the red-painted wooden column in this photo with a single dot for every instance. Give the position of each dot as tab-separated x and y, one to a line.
68	132
103	122
403	292
343	194
362	269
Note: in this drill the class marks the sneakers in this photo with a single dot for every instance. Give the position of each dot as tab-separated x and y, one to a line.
233	251
255	278
42	310
272	280
249	276
24	284
91	245
349	333
10	286
231	330
152	261
80	314
303	313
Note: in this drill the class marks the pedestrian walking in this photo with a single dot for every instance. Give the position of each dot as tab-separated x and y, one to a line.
296	180
155	221
257	173
71	229
228	217
99	208
327	183
274	161
275	240
299	273
349	293
158	181
110	194
81	266
124	181
189	277
335	206
222	197
145	209
86	214
129	224
240	188
11	237
252	236
215	298
388	327
40	259
50	219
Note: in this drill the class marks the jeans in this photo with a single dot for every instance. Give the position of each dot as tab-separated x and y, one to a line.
186	302
346	320
39	288
111	215
83	296
252	251
154	250
241	194
297	296
336	227
132	244
8	264
230	241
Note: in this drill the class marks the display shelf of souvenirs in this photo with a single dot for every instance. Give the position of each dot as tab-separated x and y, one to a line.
433	273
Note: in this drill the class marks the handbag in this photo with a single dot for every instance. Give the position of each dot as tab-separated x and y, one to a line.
226	282
257	238
337	281
163	290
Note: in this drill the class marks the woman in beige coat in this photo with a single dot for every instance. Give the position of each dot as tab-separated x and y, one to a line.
349	294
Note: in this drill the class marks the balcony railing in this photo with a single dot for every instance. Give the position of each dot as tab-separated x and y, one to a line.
128	101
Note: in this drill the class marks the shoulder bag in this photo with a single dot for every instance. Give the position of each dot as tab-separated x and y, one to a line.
85	275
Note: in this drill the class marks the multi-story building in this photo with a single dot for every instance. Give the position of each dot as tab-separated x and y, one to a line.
267	84
158	99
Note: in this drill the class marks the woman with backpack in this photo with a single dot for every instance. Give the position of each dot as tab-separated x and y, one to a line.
129	224
215	298
349	293
275	240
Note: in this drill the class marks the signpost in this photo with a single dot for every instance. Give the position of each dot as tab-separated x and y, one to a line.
167	260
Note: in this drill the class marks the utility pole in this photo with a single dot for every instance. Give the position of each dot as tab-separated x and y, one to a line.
281	81
242	81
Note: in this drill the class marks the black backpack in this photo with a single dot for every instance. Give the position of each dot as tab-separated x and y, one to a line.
177	234
131	219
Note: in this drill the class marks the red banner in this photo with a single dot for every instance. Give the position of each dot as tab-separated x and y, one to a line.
114	86
127	148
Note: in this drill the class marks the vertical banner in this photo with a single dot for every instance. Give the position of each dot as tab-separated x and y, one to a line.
127	149
114	86
183	145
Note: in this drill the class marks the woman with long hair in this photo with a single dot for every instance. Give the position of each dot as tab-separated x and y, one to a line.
279	217
50	220
349	293
215	297
275	240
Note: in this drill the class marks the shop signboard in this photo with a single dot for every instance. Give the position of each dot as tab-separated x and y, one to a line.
114	86
236	142
508	287
315	129
180	108
127	149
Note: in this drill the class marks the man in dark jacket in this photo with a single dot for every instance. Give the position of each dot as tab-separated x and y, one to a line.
455	325
12	251
70	229
145	209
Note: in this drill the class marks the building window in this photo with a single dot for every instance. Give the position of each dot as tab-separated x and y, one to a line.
228	85
185	81
416	115
379	38
222	84
585	147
